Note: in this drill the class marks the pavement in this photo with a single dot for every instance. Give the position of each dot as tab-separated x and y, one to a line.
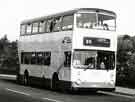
125	91
119	89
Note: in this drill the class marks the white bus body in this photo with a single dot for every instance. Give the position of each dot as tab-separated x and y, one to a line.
61	58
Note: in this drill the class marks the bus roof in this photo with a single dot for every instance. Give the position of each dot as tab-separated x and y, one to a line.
67	13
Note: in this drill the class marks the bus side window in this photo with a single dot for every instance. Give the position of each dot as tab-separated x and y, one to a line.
47	58
29	28
49	27
23	29
35	27
42	26
33	58
57	24
27	58
39	58
67	23
67	61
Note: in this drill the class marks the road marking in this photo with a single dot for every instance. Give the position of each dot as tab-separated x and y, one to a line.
49	99
5	75
23	93
115	94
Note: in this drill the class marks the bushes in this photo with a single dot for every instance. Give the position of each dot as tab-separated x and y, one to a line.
8	56
126	61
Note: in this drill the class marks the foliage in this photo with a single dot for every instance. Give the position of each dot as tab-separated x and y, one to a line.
8	54
126	61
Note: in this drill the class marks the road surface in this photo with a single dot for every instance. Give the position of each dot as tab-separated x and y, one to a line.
10	91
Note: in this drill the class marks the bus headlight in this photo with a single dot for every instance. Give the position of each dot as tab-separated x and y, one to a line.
111	82
112	76
78	82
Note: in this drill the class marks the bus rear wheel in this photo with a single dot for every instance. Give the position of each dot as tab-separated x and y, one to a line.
26	79
55	83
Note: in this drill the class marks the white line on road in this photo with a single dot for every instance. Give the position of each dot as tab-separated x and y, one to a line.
5	75
49	99
115	94
17	92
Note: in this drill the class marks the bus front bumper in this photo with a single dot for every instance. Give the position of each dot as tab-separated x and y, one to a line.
96	85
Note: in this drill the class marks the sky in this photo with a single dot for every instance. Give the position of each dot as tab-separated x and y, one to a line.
15	11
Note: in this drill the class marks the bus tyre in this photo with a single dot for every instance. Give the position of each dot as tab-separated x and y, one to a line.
111	90
43	82
18	79
55	83
26	79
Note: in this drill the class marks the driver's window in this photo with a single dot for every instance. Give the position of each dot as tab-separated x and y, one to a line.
90	61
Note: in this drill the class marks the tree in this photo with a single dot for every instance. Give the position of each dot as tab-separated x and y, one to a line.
126	60
124	52
131	70
8	54
125	48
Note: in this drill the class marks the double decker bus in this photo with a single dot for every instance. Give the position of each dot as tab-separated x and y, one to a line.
70	50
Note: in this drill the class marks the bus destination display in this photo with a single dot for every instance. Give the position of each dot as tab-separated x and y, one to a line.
98	42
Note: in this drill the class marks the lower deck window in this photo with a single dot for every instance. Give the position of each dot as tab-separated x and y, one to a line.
47	58
36	58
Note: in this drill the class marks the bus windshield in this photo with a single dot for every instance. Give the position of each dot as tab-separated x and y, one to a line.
103	60
96	21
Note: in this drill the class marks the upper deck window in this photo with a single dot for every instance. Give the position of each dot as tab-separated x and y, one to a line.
42	26
23	29
57	24
67	22
35	27
86	20
106	22
49	25
29	28
95	21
